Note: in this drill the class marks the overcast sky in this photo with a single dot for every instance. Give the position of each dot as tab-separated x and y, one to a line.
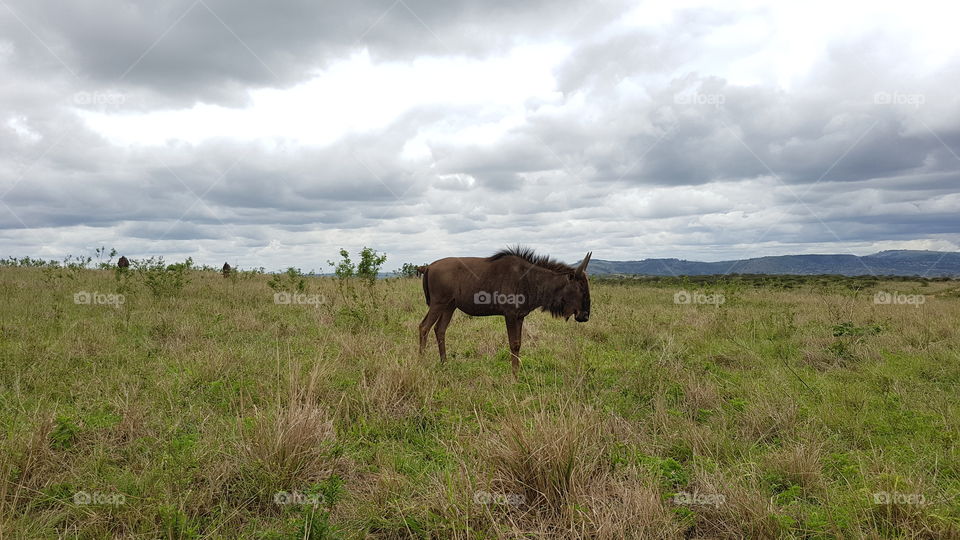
274	133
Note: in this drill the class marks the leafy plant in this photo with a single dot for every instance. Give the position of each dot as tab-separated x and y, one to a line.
55	273
369	266
366	270
289	281
56	276
408	270
316	521
163	280
25	262
848	336
101	252
359	303
64	433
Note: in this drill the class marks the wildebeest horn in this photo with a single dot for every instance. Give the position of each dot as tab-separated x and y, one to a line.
583	265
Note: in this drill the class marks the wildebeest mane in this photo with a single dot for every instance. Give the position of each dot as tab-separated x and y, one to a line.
528	254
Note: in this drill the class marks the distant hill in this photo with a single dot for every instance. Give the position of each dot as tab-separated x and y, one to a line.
890	263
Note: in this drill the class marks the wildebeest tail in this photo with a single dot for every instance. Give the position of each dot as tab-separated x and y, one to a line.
426	288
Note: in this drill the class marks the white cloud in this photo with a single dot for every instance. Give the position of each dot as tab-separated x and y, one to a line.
355	95
537	126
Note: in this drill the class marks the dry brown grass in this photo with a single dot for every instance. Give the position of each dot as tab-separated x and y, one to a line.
547	459
770	417
396	389
732	506
549	470
800	464
700	395
287	445
627	507
27	466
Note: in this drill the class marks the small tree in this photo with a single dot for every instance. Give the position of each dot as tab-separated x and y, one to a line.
408	270
101	253
57	276
345	268
163	280
370	263
289	281
367	270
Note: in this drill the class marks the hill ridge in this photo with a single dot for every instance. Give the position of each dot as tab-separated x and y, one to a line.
900	262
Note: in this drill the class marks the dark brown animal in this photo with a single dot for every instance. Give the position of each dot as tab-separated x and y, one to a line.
511	283
226	270
421	270
123	262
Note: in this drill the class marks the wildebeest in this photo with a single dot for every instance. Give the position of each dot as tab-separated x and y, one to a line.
226	270
123	262
511	283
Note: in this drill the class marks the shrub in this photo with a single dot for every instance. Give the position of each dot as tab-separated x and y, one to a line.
408	270
163	280
361	301
289	281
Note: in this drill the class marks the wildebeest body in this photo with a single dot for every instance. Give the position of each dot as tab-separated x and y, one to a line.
455	280
512	283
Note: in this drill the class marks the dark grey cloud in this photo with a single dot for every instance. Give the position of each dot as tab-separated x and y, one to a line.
215	50
644	150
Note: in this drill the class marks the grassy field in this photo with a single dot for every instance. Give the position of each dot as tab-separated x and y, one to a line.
210	411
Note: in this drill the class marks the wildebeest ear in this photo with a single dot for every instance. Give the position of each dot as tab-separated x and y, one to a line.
583	265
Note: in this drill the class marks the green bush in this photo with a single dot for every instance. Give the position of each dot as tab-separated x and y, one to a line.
163	280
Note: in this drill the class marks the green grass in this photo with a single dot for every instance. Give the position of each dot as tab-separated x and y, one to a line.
186	410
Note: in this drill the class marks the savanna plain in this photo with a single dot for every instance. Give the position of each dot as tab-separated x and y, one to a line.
172	402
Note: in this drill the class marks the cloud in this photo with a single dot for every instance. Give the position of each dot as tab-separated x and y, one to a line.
215	50
276	132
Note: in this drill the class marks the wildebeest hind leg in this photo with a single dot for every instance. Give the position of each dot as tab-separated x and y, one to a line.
428	320
441	331
514	331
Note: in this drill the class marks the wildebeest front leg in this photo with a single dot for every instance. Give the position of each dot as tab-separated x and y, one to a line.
514	330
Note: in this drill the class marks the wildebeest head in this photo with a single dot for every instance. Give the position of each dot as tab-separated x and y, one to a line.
575	294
